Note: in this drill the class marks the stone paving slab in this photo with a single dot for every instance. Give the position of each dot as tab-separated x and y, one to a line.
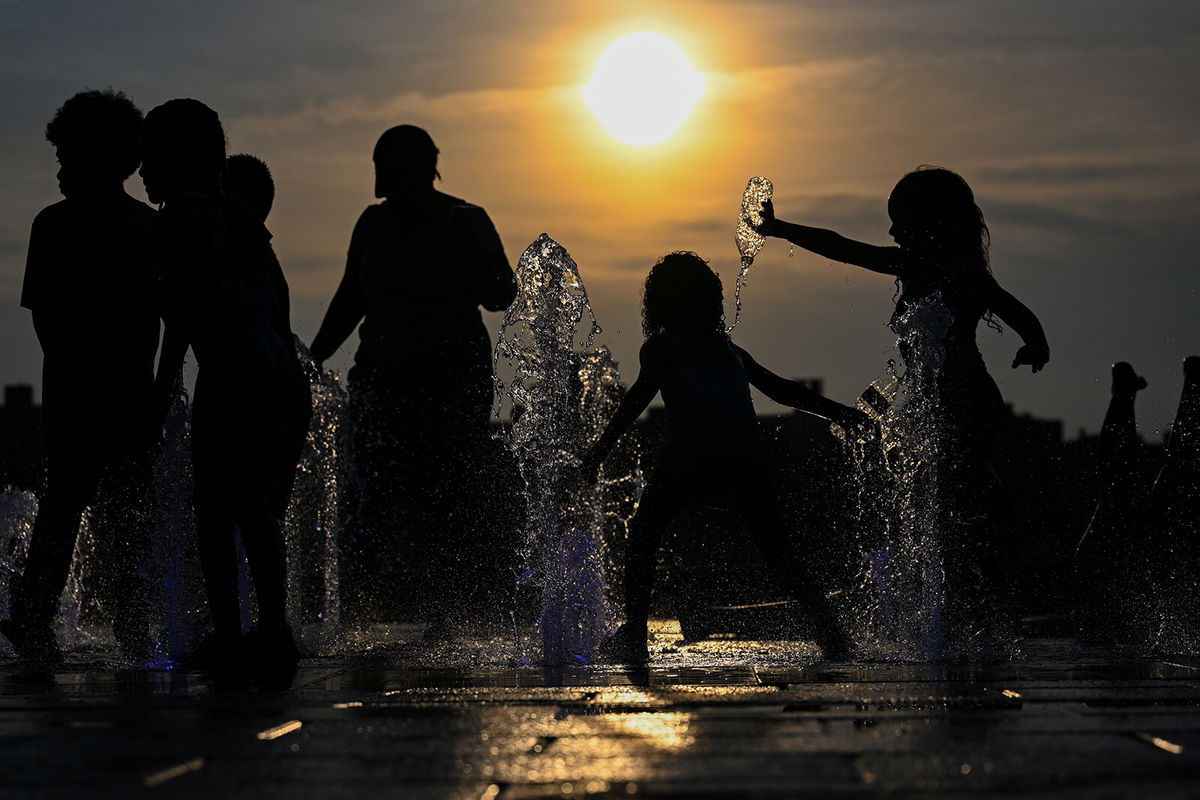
1061	722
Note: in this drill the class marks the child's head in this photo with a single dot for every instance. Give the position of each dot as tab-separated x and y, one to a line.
682	293
248	180
96	136
933	212
183	149
405	160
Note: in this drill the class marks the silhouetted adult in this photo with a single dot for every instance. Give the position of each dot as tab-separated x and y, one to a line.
942	268
420	265
224	295
90	288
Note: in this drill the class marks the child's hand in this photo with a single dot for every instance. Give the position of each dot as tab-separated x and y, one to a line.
767	228
1033	355
850	419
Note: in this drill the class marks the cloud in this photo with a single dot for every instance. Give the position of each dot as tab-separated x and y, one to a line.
1092	172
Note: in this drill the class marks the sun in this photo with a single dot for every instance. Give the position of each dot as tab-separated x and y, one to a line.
643	88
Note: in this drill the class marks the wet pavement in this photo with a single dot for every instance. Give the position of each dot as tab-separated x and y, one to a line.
720	719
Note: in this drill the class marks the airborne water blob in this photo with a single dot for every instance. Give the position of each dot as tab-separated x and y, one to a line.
749	241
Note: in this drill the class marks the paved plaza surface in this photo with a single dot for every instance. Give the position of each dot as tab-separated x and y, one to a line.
715	719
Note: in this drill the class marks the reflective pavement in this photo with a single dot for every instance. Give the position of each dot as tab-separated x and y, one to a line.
719	719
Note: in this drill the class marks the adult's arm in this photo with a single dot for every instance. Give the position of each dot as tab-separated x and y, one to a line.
349	303
485	263
832	245
37	291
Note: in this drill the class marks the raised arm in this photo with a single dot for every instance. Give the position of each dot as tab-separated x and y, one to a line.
649	381
798	396
348	306
831	245
1036	350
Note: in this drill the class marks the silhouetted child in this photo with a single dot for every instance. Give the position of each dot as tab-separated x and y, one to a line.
714	453
248	180
224	295
90	288
942	249
946	287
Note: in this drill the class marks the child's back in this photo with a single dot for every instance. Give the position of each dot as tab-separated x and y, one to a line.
711	424
89	284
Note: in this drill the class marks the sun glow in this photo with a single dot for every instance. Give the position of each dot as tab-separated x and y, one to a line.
643	88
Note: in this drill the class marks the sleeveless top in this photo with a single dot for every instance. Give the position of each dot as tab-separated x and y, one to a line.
711	425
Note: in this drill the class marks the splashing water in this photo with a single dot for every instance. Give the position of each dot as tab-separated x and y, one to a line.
312	523
170	568
749	241
562	391
904	575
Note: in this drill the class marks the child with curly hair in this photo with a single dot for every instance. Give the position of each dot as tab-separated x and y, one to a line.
712	431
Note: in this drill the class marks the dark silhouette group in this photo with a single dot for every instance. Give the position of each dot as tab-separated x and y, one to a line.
105	269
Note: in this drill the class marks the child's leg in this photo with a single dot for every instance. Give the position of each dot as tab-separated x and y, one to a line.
762	515
122	524
659	504
215	531
71	484
268	563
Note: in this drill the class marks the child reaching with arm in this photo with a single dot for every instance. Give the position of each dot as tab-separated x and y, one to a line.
712	431
941	243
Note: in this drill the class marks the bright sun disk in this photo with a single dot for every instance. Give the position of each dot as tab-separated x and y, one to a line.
643	88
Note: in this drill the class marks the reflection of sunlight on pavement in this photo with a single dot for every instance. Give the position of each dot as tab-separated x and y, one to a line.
669	651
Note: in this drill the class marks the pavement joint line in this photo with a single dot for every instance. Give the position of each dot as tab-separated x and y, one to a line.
279	730
1159	742
171	773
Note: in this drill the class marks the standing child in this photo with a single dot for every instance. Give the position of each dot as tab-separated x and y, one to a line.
90	288
712	431
224	296
945	287
942	250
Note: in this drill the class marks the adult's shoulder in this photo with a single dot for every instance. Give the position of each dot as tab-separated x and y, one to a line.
372	216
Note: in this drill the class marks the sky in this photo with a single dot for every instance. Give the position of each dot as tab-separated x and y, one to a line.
1075	122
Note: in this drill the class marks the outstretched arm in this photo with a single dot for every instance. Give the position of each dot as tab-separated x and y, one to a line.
648	382
798	396
1036	350
831	245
